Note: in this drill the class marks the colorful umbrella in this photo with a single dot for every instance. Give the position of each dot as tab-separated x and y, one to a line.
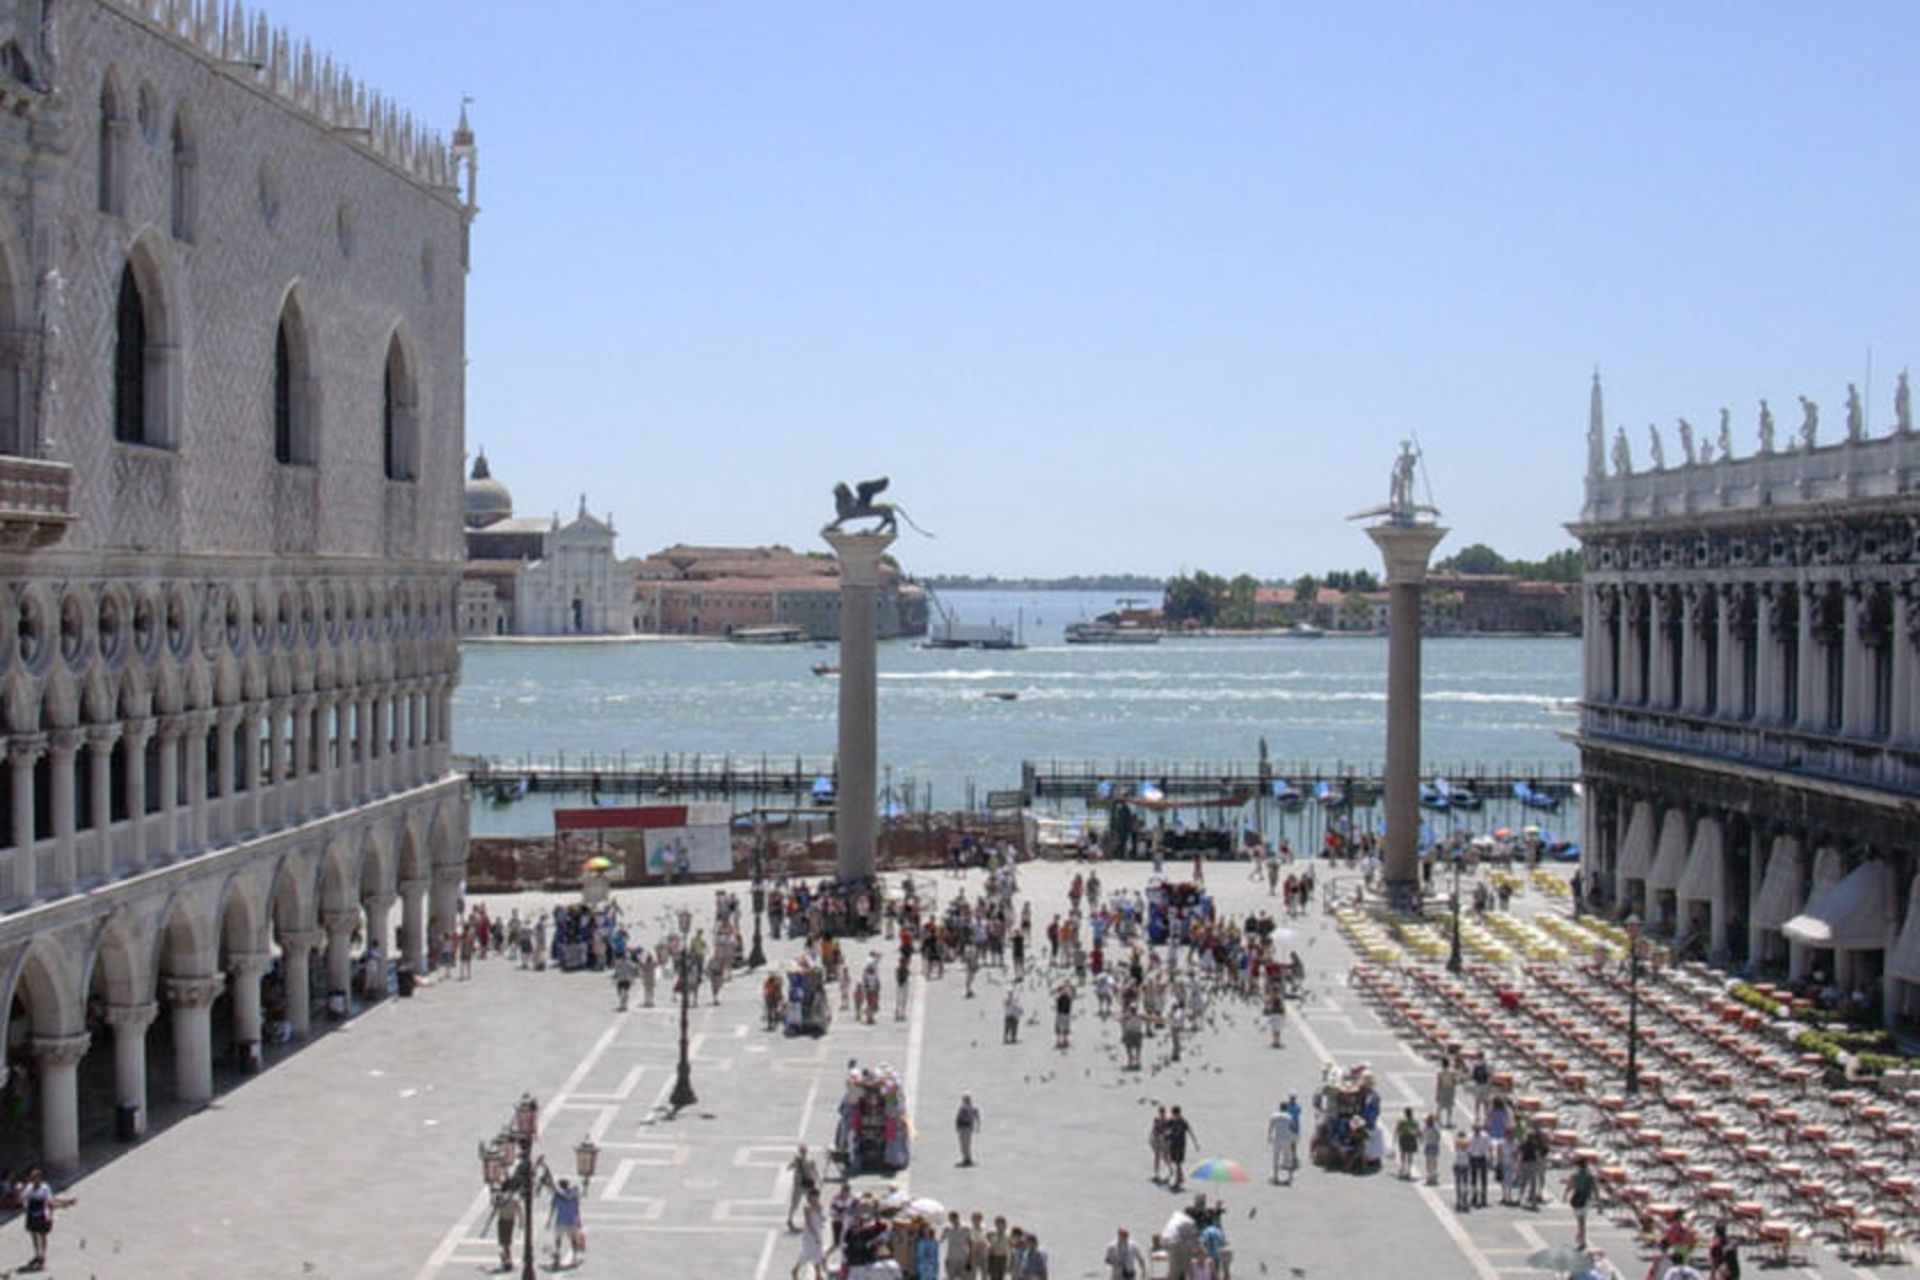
1218	1171
597	863
1501	833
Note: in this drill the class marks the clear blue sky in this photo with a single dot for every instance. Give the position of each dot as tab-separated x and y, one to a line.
1124	287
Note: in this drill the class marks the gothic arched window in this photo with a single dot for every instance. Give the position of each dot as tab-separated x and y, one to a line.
130	425
398	434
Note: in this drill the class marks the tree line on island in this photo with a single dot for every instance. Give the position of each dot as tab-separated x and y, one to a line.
1207	600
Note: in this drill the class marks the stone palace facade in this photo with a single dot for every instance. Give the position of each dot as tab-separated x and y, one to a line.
232	294
1749	735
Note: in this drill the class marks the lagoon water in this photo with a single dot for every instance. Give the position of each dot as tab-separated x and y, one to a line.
1487	702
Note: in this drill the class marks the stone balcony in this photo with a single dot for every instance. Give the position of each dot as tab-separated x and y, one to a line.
1879	765
36	502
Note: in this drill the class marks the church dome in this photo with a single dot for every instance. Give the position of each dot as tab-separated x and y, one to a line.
487	499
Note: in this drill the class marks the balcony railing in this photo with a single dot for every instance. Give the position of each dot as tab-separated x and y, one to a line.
36	502
1883	765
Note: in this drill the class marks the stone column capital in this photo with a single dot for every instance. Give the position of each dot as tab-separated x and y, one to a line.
65	741
61	1051
337	922
449	875
293	941
859	555
378	899
415	884
248	964
194	992
103	737
25	749
228	717
132	1019
1405	549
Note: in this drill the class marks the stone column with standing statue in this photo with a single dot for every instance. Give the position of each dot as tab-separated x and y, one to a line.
1406	534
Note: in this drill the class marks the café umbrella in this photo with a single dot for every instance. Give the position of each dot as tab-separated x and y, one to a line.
598	863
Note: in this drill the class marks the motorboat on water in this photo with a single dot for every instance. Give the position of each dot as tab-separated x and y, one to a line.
1536	796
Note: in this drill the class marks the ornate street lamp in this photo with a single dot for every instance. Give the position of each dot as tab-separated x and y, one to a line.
758	956
683	1095
586	1158
501	1175
1633	1005
1454	961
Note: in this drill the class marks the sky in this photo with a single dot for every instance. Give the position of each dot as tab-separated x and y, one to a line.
1116	287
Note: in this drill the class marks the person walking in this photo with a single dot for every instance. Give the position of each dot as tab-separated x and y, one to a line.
957	1243
649	973
564	1211
1062	1014
1283	1138
624	972
1133	1034
505	1214
1430	1140
1580	1186
1462	1174
1446	1084
806	1178
966	1123
813	1249
1124	1259
37	1199
1010	1017
1033	1263
1179	1135
1479	1160
1406	1139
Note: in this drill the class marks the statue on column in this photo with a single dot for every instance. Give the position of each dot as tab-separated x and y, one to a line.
1726	435
1402	507
1856	416
858	503
1622	453
1656	452
1686	441
1902	405
1766	427
1809	423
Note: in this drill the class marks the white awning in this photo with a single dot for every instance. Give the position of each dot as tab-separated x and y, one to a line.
1904	962
1671	862
1704	876
1779	899
1636	851
1853	915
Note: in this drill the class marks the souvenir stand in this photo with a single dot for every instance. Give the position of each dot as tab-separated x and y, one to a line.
872	1135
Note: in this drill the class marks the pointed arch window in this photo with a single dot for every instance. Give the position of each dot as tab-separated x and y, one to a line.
292	408
130	362
398	429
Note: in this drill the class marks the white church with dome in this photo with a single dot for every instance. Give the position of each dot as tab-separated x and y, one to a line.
537	576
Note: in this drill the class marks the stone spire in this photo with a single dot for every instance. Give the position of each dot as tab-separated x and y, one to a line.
1596	432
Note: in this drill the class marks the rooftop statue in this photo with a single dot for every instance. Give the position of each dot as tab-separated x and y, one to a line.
1902	405
858	503
1809	423
1656	451
1686	441
1726	435
1856	416
1706	452
1622	454
1766	427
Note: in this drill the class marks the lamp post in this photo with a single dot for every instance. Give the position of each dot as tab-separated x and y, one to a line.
1454	962
519	1179
758	956
1633	1005
683	1095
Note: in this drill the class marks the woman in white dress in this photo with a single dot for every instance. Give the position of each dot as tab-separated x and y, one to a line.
813	1251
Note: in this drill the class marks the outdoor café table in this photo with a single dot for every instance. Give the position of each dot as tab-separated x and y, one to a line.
1843	1151
1777	1237
1610	1102
1546	1120
1720	1078
1873	1169
1586	1154
1817	1134
1748	1211
1876	1235
1874	1113
1648	1137
1675	1156
1736	1137
1563	1138
1682	1101
1719	1192
1758	1102
1528	1104
1797	1076
1791	1174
